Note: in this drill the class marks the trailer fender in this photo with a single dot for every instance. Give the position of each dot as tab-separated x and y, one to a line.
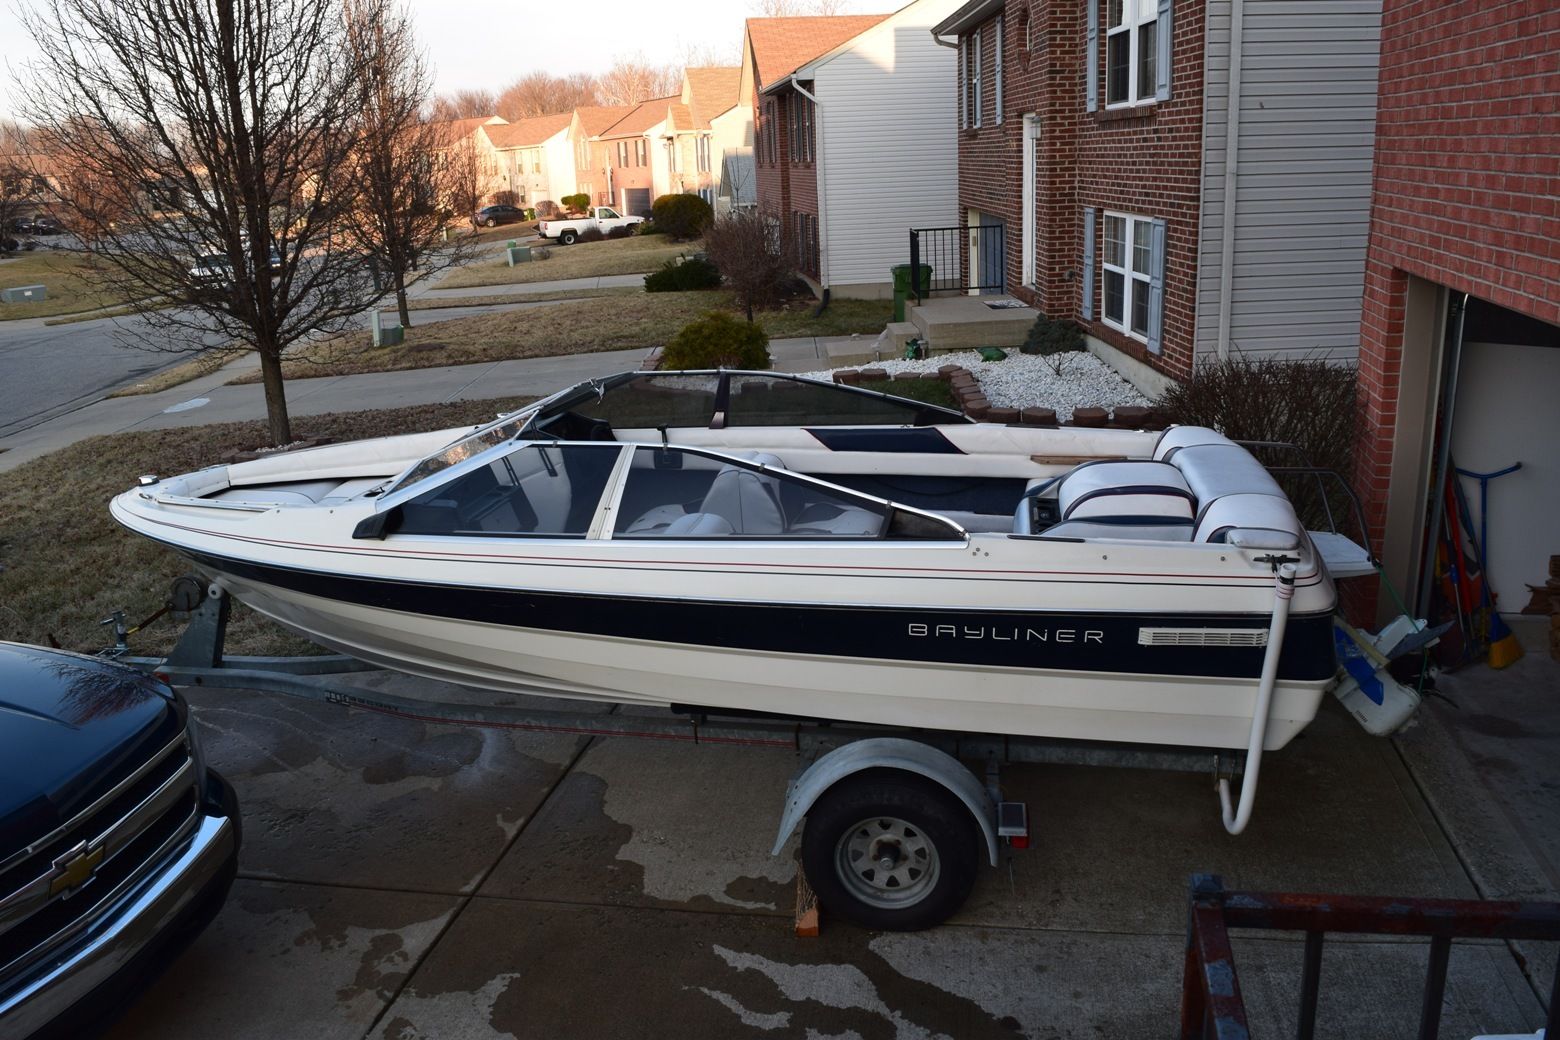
888	753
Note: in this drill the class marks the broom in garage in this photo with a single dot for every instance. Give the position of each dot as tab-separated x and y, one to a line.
1504	647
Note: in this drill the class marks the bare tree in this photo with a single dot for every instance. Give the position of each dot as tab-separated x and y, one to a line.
463	104
230	125
632	79
754	258
797	8
398	220
543	94
457	169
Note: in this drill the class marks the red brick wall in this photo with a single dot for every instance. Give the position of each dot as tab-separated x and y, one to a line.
1146	161
1466	183
785	187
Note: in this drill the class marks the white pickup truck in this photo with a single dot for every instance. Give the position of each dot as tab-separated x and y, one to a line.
603	218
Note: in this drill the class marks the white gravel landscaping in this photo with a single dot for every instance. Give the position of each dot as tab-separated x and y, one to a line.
1025	380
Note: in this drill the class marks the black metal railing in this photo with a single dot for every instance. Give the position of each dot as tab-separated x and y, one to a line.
1211	1004
961	259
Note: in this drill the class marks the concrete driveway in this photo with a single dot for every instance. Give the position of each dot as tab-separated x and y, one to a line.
403	879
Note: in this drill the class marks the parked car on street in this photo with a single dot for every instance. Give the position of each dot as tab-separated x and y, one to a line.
569	229
492	216
117	844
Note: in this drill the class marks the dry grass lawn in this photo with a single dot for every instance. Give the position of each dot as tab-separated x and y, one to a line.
70	278
628	322
435	303
634	255
66	564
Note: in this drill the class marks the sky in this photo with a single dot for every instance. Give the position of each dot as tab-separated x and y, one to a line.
490	43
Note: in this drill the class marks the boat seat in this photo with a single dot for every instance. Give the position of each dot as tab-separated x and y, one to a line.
1165	531
1178	437
828	518
746	499
1250	521
1133	488
698	525
1214	471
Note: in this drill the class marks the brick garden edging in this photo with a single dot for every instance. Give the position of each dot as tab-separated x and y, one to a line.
974	403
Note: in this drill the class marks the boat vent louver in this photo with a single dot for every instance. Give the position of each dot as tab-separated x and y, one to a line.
1202	637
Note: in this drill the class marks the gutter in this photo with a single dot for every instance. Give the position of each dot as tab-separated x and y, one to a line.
1231	179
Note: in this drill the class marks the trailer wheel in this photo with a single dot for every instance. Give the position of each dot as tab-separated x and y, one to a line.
567	236
892	851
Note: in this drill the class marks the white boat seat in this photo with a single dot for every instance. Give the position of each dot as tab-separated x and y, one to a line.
1214	471
698	525
827	518
747	499
1250	522
1132	488
978	522
1178	437
1169	531
655	519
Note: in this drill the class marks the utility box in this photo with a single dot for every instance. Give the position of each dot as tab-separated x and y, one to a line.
385	334
519	255
24	294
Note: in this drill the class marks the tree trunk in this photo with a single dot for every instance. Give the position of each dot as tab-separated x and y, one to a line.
400	300
275	396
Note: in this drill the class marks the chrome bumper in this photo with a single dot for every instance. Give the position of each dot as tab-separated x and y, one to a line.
140	917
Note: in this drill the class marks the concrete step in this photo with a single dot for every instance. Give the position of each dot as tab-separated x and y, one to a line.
967	322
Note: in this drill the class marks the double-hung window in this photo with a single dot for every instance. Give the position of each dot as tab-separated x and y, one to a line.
640	151
1131	51
1126	267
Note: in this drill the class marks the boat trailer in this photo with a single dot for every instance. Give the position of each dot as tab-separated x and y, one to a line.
836	756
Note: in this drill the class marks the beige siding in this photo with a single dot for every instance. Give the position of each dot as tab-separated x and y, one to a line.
1306	135
888	125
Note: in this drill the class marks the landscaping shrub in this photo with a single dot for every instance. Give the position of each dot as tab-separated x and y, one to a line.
718	340
505	198
1048	336
578	203
530	214
683	275
682	216
1309	402
757	262
591	234
621	231
547	209
647	227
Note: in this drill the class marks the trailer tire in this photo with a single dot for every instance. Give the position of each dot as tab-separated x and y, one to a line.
567	236
890	850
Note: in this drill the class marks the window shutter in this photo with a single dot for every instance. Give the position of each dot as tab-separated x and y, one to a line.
977	102
964	83
996	84
1091	57
1162	36
1156	290
1088	264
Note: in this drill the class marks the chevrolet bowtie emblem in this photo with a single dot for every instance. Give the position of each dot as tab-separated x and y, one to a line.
75	868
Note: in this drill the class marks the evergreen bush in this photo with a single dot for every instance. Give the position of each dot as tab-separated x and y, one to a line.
682	216
683	276
718	340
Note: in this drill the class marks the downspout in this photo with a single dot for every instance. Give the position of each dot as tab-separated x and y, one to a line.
1231	180
823	221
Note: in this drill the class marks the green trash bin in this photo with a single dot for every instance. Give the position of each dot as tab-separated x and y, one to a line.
901	274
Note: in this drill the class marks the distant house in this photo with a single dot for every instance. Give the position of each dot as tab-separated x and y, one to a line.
630	170
695	136
593	160
463	142
1185	178
855	137
533	155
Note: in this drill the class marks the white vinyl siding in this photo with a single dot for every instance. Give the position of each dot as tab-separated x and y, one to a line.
1302	189
887	146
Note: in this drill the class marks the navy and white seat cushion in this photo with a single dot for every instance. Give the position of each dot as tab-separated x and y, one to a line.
1250	522
1213	471
1178	437
1134	489
749	500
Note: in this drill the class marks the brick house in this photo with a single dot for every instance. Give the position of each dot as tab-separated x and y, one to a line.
593	158
698	131
629	151
1092	139
1465	200
854	140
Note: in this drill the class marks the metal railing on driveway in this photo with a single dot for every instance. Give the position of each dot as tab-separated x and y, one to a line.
1211	1004
966	258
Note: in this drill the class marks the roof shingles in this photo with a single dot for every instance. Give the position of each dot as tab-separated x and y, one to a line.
782	45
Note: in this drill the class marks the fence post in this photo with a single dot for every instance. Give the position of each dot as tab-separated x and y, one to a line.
915	264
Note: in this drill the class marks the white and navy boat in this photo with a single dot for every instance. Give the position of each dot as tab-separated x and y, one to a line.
757	542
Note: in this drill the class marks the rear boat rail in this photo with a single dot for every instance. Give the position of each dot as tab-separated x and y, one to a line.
1211	1003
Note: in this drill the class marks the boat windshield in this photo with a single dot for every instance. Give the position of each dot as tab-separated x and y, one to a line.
505	429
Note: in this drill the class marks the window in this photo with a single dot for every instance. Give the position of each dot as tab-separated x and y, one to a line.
675	493
536	490
804	226
975	84
1127	264
1131	51
622	153
801	130
964	82
640	151
996	85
